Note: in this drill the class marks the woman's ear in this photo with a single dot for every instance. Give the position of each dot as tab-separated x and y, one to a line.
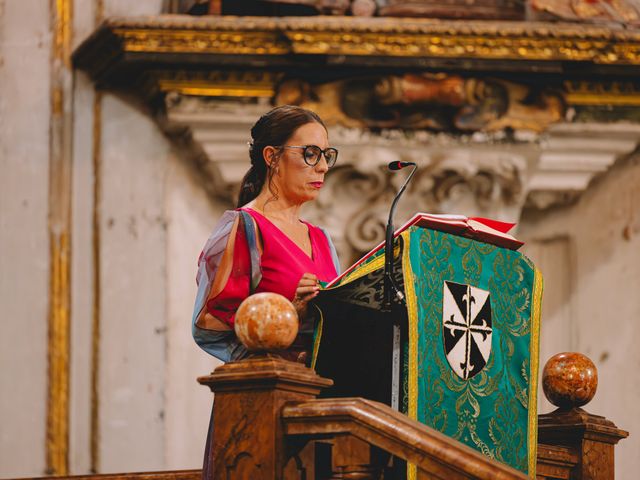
269	155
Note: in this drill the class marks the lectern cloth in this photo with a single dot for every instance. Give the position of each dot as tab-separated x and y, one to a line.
490	407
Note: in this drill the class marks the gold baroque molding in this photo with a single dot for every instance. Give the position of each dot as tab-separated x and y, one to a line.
468	46
602	93
220	84
57	441
62	32
185	41
60	174
379	37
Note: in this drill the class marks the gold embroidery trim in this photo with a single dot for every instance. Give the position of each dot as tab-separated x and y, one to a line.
370	267
316	343
533	381
412	314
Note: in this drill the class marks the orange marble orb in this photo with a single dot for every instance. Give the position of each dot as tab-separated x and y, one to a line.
569	380
266	322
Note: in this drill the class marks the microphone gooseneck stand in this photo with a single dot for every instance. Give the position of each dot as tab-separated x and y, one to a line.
390	287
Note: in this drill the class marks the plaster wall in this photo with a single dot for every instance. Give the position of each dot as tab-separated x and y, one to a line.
82	275
592	282
133	289
132	156
25	43
191	216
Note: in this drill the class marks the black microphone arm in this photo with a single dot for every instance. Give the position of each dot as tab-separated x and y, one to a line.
390	288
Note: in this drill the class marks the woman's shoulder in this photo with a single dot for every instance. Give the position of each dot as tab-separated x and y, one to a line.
226	222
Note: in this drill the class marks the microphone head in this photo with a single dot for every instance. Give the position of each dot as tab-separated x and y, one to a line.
397	165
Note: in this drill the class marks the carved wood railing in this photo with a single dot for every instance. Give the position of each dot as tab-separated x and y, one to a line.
266	414
380	426
269	424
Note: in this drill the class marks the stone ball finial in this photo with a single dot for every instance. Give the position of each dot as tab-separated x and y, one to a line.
266	322
569	380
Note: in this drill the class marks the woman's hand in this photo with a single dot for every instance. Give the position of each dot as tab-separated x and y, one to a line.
308	287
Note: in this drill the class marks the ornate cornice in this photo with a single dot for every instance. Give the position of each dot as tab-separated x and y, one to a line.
220	41
412	42
459	39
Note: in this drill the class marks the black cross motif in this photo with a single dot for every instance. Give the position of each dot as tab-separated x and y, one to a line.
477	325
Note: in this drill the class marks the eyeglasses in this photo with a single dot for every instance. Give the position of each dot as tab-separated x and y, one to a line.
311	154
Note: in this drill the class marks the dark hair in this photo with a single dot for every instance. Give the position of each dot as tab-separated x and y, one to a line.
273	128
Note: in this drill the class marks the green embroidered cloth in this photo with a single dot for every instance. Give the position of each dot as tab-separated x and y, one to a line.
469	342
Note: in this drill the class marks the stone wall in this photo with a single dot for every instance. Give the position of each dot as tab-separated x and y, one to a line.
589	254
24	244
153	218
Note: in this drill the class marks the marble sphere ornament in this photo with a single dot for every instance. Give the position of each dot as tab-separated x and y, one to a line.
266	322
569	380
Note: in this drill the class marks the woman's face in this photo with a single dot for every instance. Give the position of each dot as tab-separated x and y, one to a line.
294	179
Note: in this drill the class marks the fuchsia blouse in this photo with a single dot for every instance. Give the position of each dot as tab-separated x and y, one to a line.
278	269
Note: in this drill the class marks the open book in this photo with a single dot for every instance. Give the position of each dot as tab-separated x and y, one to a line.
478	228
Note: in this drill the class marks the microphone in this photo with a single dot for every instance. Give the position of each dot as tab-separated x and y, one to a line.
397	165
389	284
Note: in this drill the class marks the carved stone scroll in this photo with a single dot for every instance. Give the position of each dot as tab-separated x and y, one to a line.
482	174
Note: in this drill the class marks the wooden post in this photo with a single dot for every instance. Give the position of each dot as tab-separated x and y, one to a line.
569	381
249	394
591	437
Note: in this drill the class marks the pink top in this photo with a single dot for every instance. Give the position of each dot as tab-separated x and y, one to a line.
282	264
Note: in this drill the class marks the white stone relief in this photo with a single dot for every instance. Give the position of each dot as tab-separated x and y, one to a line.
477	175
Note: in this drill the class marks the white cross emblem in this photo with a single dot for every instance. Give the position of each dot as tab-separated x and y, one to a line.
466	319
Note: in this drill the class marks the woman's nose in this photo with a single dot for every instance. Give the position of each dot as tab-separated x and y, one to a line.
322	165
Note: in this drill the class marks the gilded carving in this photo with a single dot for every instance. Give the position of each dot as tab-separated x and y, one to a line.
60	174
58	357
371	37
219	83
231	43
457	45
581	92
438	102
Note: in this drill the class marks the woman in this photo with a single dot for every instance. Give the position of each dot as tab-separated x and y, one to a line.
263	246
